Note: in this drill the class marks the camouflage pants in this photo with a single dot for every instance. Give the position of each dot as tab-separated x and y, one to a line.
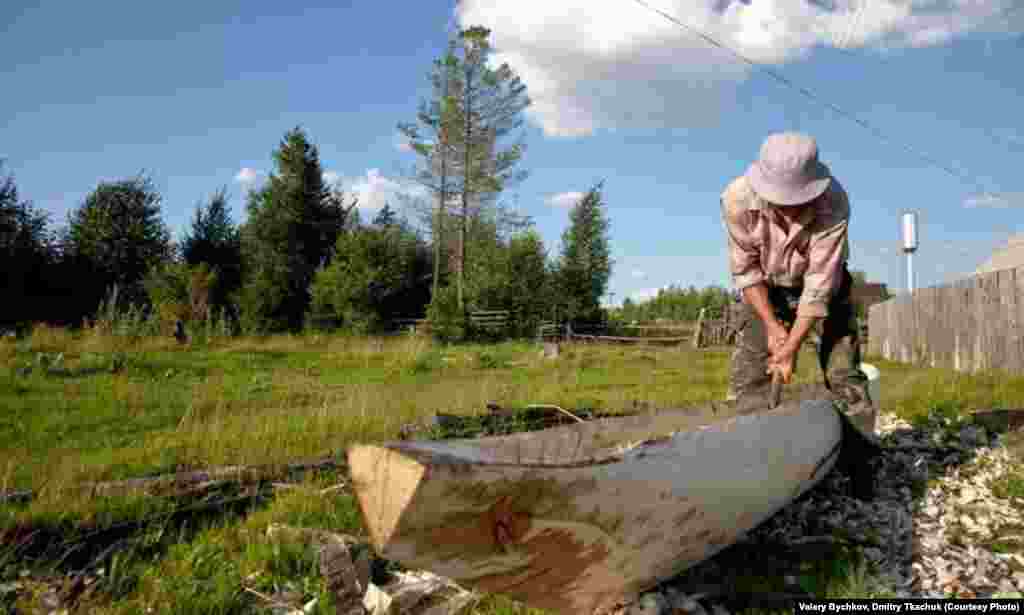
837	339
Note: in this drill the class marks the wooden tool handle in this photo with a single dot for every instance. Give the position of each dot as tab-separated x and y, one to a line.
776	393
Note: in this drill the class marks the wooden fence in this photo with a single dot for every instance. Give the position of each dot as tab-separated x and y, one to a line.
973	324
492	320
705	333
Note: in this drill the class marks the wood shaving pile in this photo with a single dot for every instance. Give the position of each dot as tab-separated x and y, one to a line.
934	529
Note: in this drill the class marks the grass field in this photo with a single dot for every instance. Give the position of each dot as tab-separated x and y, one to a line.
103	408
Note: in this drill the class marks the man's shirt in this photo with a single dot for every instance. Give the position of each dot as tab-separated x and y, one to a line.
810	254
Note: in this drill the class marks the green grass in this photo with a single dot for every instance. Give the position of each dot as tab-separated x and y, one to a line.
112	409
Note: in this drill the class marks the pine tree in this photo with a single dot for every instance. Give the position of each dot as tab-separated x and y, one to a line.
430	138
488	106
473	108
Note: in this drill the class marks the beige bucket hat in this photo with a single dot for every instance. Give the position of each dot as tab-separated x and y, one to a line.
788	171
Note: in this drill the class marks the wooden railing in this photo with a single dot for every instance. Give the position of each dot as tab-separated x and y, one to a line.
492	320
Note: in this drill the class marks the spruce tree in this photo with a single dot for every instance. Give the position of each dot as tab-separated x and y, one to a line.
213	240
26	251
293	225
585	265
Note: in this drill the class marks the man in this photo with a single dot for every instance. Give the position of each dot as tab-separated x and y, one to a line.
786	221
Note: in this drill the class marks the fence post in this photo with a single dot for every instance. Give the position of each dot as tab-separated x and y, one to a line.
700	329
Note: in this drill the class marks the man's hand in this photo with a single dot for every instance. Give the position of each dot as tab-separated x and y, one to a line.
777	336
781	363
783	359
756	297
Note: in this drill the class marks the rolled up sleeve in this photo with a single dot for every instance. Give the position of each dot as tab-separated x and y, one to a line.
744	257
829	249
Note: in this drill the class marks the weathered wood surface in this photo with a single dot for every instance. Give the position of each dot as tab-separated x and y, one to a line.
574	518
969	325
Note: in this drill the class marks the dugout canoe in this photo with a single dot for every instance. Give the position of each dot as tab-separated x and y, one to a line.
574	518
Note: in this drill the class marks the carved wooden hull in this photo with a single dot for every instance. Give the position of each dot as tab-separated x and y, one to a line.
574	518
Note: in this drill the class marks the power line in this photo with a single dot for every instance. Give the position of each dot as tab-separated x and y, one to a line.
1000	140
810	95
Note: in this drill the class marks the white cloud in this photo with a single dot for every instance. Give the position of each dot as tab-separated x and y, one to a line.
247	176
645	294
564	199
1005	200
606	65
636	273
402	143
331	177
374	190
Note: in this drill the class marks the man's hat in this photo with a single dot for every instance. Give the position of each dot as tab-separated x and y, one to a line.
788	171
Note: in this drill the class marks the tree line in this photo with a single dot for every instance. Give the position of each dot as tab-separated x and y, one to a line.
678	304
304	257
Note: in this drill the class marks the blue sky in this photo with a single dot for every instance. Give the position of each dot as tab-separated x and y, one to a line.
199	95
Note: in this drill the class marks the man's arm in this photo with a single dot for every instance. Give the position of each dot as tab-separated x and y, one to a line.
756	296
797	335
745	263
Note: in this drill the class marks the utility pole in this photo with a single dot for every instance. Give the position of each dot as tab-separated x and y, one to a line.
910	245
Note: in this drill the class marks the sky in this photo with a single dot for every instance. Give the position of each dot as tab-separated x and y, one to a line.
198	95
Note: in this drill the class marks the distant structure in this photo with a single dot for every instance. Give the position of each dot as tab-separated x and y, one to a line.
868	294
910	245
1010	256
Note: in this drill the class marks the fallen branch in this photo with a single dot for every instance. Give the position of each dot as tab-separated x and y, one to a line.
270	599
185	483
552	406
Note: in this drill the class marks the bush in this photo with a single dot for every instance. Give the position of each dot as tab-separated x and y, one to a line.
447	322
426	362
185	292
117	319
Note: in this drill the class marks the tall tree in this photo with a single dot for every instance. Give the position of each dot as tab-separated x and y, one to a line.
119	235
430	138
26	251
293	225
488	106
585	265
212	237
213	240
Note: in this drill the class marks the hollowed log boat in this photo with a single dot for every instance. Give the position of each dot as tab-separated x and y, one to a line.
575	518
